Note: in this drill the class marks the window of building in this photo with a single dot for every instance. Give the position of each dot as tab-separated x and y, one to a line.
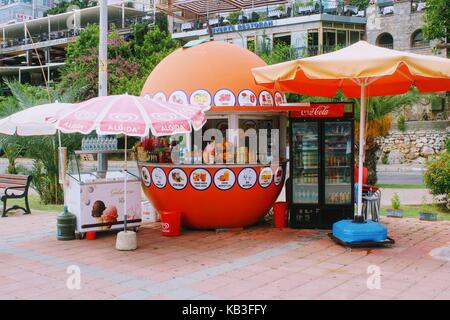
329	40
313	42
385	40
251	44
341	38
354	37
284	39
417	40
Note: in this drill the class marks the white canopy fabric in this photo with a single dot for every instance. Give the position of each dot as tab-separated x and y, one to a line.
35	121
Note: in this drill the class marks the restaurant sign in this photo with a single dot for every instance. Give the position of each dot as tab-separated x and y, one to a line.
320	110
243	27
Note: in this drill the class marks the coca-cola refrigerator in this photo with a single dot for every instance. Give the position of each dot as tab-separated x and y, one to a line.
320	188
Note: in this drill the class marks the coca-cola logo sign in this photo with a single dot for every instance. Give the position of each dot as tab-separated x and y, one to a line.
319	111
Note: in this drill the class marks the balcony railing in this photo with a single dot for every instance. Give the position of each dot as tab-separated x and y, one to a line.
260	14
63	34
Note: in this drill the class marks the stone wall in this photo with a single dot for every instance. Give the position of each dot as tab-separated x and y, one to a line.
412	146
401	25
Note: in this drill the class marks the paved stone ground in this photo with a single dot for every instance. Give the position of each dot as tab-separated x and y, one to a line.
256	263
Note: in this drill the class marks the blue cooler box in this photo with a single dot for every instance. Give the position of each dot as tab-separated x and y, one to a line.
351	232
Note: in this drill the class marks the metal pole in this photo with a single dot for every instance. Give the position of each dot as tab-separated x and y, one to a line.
103	50
123	15
102	162
362	125
125	188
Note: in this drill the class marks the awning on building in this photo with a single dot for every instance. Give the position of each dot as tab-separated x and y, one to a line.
204	7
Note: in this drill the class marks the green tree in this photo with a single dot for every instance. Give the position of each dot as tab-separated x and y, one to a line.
437	22
129	62
437	176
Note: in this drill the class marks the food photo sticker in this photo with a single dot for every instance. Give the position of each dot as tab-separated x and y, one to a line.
279	98
247	178
224	179
159	178
178	179
224	98
104	215
265	99
200	179
201	97
146	178
278	176
160	96
247	98
265	177
179	97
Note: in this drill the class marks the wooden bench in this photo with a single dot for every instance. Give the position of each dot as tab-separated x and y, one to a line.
14	186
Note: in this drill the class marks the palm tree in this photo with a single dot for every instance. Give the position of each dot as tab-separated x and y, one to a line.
378	124
43	149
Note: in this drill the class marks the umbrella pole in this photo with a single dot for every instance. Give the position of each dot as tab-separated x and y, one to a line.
362	123
125	188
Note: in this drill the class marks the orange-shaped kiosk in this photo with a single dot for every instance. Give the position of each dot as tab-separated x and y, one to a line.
225	195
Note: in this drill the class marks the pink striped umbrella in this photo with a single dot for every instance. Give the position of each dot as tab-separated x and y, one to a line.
131	115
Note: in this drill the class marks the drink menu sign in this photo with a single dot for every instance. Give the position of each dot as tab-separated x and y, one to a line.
320	110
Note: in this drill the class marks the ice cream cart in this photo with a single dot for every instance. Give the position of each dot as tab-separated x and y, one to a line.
97	198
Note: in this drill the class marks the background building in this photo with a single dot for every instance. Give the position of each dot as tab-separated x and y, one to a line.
309	27
398	25
32	47
20	10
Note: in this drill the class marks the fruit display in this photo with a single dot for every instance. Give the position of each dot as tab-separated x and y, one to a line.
154	149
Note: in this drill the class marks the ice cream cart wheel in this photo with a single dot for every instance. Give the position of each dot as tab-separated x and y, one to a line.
79	235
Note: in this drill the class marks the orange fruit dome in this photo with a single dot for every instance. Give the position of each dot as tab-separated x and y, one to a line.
212	73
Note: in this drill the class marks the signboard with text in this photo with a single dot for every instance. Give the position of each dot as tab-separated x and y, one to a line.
320	110
244	26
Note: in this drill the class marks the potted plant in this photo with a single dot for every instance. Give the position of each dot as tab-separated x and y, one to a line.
424	213
395	212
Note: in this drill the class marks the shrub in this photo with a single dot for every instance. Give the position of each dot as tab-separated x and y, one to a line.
401	123
12	152
395	201
437	175
233	17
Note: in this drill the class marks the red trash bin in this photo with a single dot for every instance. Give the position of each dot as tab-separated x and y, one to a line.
170	223
280	214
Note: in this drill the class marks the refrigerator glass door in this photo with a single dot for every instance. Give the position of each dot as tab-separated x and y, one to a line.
305	157
338	156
